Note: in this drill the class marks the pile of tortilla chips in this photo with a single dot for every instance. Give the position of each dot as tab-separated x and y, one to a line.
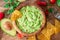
47	32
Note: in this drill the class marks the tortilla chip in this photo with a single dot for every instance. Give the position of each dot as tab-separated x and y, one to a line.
42	37
48	31
57	25
32	38
56	30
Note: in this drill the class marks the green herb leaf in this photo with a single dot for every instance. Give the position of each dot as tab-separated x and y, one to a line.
11	1
12	5
58	2
11	10
16	3
6	0
6	6
0	23
50	10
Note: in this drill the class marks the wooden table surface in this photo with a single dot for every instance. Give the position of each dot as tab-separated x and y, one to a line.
46	34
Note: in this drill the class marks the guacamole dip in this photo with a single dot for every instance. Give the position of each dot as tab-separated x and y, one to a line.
31	19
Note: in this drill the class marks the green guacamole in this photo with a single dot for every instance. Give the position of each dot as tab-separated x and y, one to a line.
31	19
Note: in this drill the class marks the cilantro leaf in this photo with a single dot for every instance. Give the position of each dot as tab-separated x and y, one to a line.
11	1
6	0
58	2
10	11
6	6
12	5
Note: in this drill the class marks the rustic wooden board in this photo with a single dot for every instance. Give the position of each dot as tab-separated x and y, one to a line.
41	36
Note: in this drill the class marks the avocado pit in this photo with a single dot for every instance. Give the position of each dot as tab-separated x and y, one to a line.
8	25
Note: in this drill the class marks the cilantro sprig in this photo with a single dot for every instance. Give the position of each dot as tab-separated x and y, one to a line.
12	4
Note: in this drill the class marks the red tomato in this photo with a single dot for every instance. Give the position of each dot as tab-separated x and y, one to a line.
52	1
20	35
42	3
1	15
46	12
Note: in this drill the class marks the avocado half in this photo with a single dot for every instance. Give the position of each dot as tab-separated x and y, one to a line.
11	32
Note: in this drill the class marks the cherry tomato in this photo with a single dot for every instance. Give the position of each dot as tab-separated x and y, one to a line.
52	1
42	3
46	12
20	35
1	15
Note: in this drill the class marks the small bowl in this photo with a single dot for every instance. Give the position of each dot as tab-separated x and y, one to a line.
43	22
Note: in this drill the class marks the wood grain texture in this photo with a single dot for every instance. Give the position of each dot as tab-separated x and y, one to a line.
44	35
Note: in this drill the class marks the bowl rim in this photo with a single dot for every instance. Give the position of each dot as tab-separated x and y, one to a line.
43	21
